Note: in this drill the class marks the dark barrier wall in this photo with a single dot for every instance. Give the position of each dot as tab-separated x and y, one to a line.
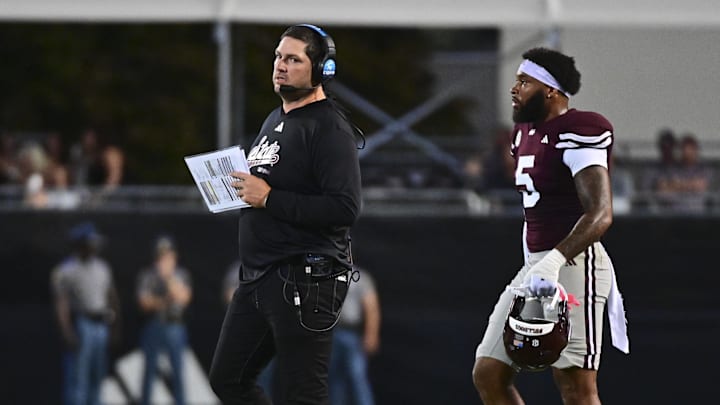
437	278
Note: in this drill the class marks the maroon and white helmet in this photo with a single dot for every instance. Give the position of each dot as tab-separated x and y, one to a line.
537	329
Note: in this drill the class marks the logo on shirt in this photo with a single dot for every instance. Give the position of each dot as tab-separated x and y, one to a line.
280	126
544	140
264	153
518	135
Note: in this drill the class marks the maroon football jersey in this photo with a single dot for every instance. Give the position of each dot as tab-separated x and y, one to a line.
550	200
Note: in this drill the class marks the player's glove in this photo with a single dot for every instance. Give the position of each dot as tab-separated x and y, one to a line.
541	279
539	287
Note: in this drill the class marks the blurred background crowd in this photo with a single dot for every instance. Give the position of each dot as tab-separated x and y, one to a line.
39	171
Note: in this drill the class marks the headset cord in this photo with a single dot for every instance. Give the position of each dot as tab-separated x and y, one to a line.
353	275
344	114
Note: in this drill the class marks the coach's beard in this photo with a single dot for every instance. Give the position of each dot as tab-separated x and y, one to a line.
292	93
533	111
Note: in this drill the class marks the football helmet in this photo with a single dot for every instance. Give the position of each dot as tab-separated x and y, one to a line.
537	329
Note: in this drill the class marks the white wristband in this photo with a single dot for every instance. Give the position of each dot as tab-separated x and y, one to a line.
549	266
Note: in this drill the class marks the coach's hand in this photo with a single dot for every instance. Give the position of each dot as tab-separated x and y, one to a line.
253	190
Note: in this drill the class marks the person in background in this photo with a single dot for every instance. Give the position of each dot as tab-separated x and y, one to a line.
357	336
164	292
499	165
9	170
56	173
33	162
86	305
661	170
94	163
622	184
684	188
498	173
667	143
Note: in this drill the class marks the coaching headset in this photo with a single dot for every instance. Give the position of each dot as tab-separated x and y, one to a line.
324	69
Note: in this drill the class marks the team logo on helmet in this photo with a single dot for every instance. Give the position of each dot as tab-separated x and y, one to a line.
537	329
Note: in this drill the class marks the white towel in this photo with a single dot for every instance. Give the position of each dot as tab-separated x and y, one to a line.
616	316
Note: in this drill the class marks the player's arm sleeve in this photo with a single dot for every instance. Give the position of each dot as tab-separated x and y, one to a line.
337	172
581	151
578	159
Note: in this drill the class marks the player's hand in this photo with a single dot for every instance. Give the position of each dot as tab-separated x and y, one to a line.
542	277
540	287
252	189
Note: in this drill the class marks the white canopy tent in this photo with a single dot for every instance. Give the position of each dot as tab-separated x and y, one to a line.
424	13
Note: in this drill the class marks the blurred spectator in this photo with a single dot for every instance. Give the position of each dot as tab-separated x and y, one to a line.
473	171
32	163
685	188
622	184
95	164
56	173
499	166
666	144
231	281
164	291
44	181
113	159
356	336
9	170
86	305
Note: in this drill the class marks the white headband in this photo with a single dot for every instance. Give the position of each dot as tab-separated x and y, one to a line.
538	72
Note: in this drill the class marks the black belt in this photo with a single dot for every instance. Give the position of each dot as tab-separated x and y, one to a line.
311	266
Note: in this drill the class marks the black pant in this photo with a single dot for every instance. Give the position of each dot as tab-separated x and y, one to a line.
263	321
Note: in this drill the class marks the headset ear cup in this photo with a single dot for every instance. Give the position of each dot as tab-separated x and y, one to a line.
318	73
328	69
325	68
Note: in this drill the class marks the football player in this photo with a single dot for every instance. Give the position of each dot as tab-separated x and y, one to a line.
561	171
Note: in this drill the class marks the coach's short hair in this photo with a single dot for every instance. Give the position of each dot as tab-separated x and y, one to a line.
561	66
314	49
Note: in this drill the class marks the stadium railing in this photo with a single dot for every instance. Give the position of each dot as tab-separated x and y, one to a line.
377	201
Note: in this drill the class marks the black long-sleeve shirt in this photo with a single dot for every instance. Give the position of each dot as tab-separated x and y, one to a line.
309	158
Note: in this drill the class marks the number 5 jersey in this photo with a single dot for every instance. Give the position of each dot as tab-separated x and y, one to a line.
547	157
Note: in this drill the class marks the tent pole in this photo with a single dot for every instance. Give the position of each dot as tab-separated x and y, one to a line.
224	82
